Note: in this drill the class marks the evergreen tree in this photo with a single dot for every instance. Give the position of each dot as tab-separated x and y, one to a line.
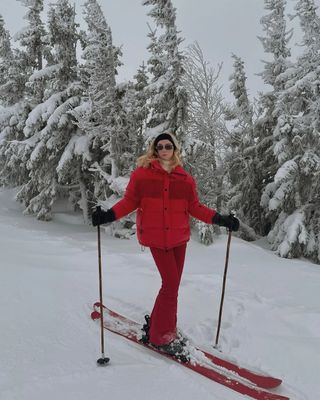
6	57
168	96
294	195
13	77
275	43
32	37
106	116
101	116
141	108
30	60
137	109
49	127
241	156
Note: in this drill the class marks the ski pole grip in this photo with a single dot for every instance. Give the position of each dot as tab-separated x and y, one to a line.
231	214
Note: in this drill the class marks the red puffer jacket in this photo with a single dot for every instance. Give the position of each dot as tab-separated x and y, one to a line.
164	202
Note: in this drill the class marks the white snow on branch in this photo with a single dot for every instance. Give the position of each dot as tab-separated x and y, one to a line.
77	146
118	185
295	231
46	72
286	171
42	112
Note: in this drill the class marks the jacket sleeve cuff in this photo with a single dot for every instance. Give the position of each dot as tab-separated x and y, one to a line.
216	219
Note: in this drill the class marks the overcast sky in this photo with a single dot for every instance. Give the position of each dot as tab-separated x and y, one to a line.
221	27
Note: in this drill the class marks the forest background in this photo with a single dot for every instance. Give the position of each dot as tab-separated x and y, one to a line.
71	127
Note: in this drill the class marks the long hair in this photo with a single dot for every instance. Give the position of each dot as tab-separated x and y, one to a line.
152	154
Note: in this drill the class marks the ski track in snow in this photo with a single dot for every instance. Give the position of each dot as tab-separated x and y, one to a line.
49	345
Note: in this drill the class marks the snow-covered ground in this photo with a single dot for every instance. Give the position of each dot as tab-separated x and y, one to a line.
49	344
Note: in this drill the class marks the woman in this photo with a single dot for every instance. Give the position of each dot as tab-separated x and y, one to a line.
164	195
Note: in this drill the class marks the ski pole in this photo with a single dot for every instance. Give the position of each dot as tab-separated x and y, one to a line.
102	360
223	288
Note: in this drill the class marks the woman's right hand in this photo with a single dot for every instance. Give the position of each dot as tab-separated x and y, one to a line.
100	217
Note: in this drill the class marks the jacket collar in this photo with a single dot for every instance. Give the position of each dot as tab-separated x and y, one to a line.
177	170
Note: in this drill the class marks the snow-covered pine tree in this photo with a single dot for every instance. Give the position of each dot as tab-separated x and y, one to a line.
205	132
241	158
101	116
31	37
135	103
16	65
49	127
6	60
294	194
137	109
168	96
33	40
6	57
274	43
101	68
14	73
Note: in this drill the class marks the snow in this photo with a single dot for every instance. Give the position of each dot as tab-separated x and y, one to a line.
83	108
286	171
42	112
49	345
119	184
4	134
293	230
46	72
151	133
7	113
23	31
77	146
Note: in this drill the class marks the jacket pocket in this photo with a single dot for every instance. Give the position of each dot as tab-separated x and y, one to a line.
179	216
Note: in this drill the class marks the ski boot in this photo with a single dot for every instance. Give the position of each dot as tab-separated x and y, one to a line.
175	349
145	329
182	339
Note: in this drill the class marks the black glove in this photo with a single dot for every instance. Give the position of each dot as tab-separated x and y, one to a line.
229	221
100	217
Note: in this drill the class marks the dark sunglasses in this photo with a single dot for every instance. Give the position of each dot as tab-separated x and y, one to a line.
166	146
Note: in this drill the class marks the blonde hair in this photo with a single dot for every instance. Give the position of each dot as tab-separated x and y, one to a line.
151	154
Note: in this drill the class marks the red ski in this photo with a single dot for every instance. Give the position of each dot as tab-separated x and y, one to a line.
210	366
263	381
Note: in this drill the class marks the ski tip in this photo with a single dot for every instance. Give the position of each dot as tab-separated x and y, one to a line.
95	315
275	382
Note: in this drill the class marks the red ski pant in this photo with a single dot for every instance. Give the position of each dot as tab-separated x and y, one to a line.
164	314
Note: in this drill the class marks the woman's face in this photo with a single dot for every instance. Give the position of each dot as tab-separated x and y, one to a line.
165	149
